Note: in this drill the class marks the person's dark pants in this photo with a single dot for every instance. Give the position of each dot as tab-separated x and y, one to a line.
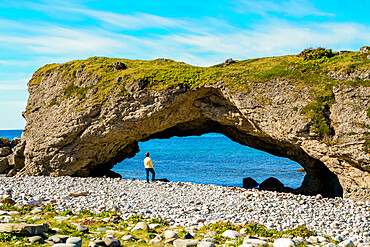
151	170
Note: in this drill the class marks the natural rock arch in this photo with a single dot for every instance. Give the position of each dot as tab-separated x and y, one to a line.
192	112
79	124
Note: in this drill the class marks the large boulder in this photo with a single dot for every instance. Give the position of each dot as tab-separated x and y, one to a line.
249	183
111	241
4	164
271	184
24	229
4	142
4	151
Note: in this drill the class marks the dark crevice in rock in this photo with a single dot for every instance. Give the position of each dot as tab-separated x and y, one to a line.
326	113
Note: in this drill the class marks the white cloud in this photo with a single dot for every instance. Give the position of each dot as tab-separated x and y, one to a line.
273	38
9	87
294	8
13	103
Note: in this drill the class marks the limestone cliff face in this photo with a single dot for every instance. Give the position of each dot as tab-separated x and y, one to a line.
83	137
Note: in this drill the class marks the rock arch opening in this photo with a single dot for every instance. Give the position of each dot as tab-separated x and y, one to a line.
210	159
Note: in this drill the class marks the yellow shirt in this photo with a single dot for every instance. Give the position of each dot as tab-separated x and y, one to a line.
148	162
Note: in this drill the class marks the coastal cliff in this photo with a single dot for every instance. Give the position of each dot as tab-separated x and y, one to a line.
85	116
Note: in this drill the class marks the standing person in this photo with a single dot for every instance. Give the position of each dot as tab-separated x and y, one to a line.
148	164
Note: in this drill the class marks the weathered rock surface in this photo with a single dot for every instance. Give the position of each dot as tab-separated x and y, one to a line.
83	138
11	155
25	229
343	76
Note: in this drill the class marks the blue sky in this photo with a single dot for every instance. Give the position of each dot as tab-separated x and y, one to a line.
34	33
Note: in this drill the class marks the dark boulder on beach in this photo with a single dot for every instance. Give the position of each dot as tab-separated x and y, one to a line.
162	180
249	183
112	174
271	183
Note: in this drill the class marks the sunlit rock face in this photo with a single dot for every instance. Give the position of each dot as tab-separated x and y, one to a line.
87	136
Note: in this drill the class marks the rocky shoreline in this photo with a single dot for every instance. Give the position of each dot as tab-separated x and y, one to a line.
193	205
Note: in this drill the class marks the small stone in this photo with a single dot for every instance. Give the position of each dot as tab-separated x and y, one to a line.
64	245
170	234
140	226
36	239
36	210
93	244
14	213
211	234
127	237
83	229
287	236
312	240
61	218
284	242
321	239
206	244
49	242
58	238
156	239
7	219
346	243
111	241
169	241
75	240
101	229
209	240
231	234
155	226
185	243
188	236
338	238
363	245
99	242
330	245
255	242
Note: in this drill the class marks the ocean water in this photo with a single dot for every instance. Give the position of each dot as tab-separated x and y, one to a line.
10	134
209	159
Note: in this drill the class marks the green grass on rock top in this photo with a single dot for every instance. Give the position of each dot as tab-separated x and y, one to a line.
160	74
309	68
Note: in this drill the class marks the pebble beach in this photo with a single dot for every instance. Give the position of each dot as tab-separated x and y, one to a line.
194	205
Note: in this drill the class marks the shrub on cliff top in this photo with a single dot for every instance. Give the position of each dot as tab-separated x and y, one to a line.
312	54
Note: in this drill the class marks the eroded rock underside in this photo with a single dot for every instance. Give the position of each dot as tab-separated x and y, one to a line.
78	137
